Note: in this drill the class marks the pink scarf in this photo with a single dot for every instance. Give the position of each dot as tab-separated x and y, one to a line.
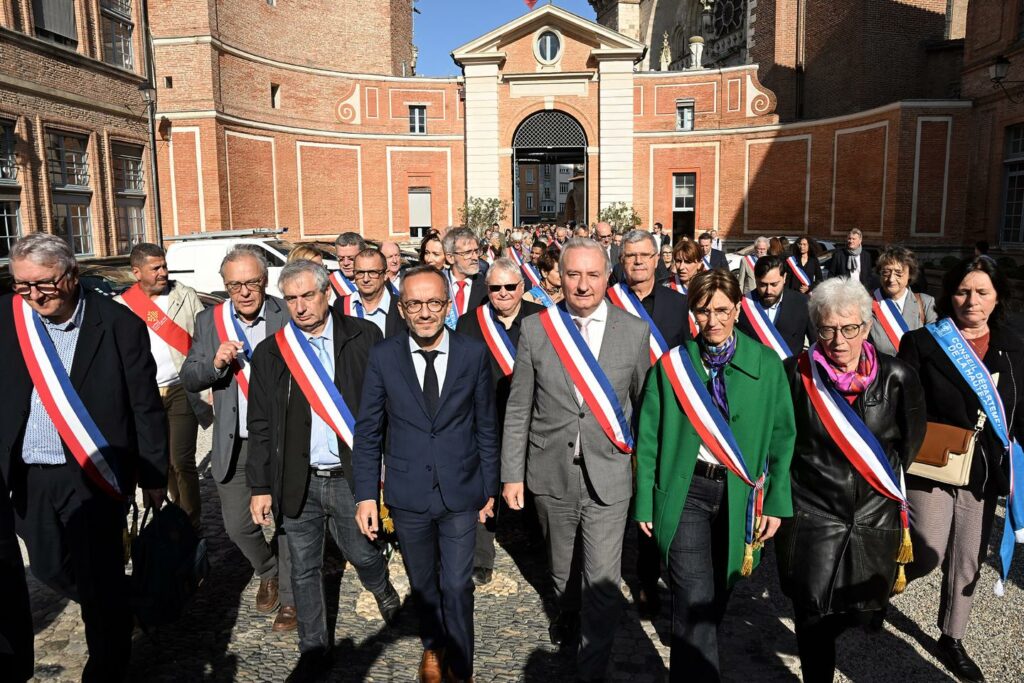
851	384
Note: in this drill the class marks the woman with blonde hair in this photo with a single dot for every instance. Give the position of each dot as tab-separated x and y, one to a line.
305	252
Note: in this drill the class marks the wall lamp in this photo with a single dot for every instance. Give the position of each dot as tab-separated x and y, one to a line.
997	72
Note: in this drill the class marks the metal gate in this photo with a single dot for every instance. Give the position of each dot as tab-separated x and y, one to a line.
548	137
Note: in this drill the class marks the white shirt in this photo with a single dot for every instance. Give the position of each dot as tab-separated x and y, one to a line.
379	316
773	311
465	292
419	363
166	372
902	301
595	328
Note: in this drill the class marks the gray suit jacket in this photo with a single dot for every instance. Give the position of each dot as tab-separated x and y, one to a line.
543	417
912	315
198	374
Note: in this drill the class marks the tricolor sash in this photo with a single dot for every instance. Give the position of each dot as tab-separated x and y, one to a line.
542	296
714	432
341	284
530	271
587	376
707	262
798	272
890	319
676	284
63	405
391	288
228	329
173	334
316	385
751	261
352	305
623	297
765	329
978	378
497	338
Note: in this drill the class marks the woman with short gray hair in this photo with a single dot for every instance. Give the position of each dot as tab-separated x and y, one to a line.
842	553
898	309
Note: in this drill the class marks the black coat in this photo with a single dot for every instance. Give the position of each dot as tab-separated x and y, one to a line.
838	551
718	260
813	270
661	273
951	401
393	323
793	322
670	314
838	267
279	417
114	374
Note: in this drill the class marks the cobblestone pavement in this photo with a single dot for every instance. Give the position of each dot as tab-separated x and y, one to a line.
223	638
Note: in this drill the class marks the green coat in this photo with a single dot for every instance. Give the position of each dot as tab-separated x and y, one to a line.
761	416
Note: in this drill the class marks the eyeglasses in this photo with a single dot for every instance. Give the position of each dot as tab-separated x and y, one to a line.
719	313
44	287
433	305
507	287
891	272
604	238
372	274
346	259
639	257
849	332
467	254
251	285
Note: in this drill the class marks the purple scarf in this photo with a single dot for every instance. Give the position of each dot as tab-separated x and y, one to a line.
716	358
850	384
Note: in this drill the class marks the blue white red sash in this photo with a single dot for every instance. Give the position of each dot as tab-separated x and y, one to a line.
765	329
316	385
713	430
890	318
978	378
852	436
798	272
63	405
228	329
529	270
676	284
587	376
707	262
623	297
751	261
497	338
352	305
342	285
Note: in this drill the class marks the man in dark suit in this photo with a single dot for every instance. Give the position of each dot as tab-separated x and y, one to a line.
72	518
374	301
713	258
506	307
16	647
434	391
300	468
215	363
786	308
853	261
465	270
606	239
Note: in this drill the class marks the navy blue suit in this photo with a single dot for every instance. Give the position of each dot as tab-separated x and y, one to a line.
439	473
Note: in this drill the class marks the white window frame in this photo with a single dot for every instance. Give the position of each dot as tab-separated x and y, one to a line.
418	119
684	115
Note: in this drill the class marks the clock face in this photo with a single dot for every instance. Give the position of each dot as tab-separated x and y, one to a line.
728	16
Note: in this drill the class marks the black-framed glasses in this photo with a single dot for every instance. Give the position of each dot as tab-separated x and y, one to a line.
511	287
849	331
640	257
467	253
433	305
372	274
234	287
44	287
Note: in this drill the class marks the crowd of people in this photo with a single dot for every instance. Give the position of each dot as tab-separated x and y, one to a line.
594	379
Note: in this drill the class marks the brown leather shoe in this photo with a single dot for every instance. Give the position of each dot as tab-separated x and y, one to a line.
267	598
287	619
430	666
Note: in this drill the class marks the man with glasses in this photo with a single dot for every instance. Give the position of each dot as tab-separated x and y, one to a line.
219	360
373	301
506	308
430	392
169	310
346	247
300	458
73	446
604	237
465	281
784	309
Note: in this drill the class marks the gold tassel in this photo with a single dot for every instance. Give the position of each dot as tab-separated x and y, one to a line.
758	543
386	523
906	554
748	560
901	581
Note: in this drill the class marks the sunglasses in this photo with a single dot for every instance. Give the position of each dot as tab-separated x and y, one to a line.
508	288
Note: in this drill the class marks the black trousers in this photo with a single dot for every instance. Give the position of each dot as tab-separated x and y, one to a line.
75	546
16	646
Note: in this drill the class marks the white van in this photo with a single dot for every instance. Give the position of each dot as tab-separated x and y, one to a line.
195	259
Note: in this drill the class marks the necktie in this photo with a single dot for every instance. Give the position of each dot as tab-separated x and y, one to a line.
582	324
319	426
431	391
460	297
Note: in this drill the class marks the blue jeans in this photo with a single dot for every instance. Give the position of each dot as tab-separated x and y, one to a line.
329	502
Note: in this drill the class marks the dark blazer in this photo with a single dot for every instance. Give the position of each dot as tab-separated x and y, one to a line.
671	315
838	267
114	374
469	325
718	259
813	270
661	273
393	323
460	442
950	401
793	322
477	293
280	416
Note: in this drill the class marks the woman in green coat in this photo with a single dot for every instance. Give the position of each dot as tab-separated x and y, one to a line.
685	497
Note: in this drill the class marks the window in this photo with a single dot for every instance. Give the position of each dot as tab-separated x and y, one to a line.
684	191
418	119
55	21
10	225
564	170
8	163
563	188
561	207
419	211
547	172
529	201
275	96
131	224
1013	192
67	160
548	46
71	221
168	82
684	115
130	198
531	177
547	207
128	174
117	32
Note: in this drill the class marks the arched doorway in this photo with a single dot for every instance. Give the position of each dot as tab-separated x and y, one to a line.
549	169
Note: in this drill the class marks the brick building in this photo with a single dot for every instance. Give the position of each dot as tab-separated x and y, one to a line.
74	135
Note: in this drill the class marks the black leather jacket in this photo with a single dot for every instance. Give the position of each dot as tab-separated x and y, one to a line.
838	551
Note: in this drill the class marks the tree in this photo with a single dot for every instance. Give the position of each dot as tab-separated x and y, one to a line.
480	213
620	215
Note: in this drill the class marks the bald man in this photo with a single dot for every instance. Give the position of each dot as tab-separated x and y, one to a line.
393	255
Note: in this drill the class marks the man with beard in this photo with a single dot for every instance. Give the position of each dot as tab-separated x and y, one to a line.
465	282
771	309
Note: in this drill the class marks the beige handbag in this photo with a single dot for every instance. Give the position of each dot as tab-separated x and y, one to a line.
947	453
